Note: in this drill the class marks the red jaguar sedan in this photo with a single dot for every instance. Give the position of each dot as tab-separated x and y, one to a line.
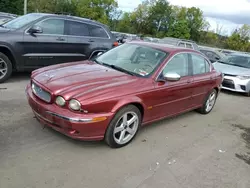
111	97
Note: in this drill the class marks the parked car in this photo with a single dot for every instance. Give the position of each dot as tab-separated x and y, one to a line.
36	40
212	55
124	88
236	70
180	42
5	17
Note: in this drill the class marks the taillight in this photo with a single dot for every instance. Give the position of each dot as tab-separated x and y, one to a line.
115	44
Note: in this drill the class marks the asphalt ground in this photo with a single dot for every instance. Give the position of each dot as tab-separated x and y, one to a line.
189	151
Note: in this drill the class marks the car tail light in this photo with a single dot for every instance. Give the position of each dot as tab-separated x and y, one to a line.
115	44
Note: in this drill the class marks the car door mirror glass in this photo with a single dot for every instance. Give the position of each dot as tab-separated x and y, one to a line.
172	77
35	29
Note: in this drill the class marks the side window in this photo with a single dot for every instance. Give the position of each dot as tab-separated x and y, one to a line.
188	45
200	65
97	31
77	29
52	26
182	44
178	64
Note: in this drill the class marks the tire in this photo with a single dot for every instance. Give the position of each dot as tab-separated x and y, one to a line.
247	94
5	68
125	134
204	109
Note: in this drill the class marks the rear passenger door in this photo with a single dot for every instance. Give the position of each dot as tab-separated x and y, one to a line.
84	38
79	41
202	79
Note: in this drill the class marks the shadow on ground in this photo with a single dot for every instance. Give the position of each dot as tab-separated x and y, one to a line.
246	137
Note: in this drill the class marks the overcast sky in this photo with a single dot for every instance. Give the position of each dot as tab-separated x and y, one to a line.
229	14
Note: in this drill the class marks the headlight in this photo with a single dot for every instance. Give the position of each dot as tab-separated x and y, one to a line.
60	101
243	77
75	104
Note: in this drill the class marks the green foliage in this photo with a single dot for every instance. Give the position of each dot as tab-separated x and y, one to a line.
12	6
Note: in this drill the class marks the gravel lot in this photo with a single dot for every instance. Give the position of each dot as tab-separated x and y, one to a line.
190	150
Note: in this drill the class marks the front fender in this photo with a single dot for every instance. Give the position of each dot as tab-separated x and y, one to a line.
126	101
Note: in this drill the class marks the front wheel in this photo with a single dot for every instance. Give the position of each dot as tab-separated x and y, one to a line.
209	102
123	127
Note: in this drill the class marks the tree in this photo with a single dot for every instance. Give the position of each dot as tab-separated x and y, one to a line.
12	6
196	22
180	29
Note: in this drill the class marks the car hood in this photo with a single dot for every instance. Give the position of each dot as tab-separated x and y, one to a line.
231	70
4	30
87	80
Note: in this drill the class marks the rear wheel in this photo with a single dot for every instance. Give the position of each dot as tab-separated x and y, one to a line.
5	67
209	102
123	127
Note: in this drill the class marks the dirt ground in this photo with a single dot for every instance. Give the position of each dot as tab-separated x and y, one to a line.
188	151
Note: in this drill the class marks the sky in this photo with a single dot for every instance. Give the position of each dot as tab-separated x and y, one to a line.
223	14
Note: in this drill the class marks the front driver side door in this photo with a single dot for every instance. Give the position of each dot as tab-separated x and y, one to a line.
173	97
48	47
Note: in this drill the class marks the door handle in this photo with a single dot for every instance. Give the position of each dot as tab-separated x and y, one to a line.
90	40
189	81
60	39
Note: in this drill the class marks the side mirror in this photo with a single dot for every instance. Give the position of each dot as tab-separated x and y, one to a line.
35	29
172	77
217	58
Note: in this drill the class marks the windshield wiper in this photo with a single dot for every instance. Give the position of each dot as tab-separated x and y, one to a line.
118	68
222	62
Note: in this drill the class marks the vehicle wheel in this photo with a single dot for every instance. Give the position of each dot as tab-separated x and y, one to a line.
209	103
5	68
123	127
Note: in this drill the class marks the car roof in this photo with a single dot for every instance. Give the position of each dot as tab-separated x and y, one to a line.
165	47
69	17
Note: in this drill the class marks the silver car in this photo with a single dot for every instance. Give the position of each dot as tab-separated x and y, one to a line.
236	70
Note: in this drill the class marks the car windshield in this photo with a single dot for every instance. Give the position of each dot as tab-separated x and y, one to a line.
236	60
21	21
133	59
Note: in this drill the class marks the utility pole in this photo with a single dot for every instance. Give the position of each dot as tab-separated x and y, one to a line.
25	7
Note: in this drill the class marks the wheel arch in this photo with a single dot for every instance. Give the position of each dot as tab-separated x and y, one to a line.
95	52
137	102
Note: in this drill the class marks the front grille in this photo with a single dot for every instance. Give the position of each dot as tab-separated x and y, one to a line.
228	83
40	93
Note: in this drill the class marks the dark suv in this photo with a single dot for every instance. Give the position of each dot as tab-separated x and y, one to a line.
37	39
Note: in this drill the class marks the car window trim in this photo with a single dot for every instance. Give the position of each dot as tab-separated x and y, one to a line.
190	63
207	61
65	25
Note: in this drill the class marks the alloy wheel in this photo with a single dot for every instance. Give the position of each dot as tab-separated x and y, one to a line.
210	101
126	128
3	68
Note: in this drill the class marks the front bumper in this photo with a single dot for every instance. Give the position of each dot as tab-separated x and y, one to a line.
235	84
74	125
